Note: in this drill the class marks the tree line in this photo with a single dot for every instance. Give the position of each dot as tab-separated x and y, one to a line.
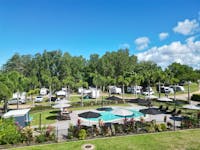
56	69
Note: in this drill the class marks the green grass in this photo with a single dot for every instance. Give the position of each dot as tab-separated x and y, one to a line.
47	117
179	140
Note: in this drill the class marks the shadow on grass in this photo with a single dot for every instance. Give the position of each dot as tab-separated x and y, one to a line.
54	111
51	117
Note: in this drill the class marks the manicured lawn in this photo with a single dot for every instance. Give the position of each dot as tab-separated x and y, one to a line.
47	117
180	140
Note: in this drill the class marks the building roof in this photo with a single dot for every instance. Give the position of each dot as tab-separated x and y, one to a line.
16	113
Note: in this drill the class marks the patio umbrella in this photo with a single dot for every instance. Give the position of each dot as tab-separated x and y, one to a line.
191	107
61	105
89	114
164	99
151	111
122	112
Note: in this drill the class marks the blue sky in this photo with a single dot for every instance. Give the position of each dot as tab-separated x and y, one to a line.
84	27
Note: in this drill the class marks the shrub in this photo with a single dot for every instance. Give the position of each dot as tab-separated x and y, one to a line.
150	128
158	127
82	134
169	125
195	97
163	127
40	138
27	135
9	132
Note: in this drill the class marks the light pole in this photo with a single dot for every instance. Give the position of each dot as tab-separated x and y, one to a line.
189	82
175	96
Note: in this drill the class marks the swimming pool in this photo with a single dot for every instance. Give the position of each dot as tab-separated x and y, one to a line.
107	116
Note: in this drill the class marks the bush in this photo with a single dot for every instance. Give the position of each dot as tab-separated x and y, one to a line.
158	127
82	134
9	132
163	127
27	135
40	138
195	97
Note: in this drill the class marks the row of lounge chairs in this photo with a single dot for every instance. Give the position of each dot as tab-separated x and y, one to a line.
166	110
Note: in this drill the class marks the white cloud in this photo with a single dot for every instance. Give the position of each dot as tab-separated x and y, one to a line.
124	46
163	35
187	27
142	43
185	53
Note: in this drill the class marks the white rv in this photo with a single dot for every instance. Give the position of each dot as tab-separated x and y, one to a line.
43	91
114	90
95	93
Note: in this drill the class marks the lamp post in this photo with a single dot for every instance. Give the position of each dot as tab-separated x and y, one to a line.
189	82
175	96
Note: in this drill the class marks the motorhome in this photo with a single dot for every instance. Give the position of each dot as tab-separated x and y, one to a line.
134	89
114	90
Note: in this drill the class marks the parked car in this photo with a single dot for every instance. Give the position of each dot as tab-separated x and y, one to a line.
14	101
38	99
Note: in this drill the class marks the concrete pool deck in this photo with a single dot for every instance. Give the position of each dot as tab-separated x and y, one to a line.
62	126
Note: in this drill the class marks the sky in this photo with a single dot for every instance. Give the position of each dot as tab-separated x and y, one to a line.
163	31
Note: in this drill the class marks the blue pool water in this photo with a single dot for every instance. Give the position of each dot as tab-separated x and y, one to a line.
107	116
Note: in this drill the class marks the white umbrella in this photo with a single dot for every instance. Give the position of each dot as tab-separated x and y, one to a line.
122	112
61	105
151	97
164	99
191	107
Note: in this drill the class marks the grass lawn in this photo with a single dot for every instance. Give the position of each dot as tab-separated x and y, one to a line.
47	117
179	140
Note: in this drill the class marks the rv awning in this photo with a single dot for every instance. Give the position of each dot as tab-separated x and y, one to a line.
16	113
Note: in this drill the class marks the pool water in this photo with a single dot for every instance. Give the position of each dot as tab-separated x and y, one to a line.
108	116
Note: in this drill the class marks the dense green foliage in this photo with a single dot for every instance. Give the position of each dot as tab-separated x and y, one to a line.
56	69
9	132
195	97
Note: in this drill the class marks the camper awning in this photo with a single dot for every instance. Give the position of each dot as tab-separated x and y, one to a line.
16	113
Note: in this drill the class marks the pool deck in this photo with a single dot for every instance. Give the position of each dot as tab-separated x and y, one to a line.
62	126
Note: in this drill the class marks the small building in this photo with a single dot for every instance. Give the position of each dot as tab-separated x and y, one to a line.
20	116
